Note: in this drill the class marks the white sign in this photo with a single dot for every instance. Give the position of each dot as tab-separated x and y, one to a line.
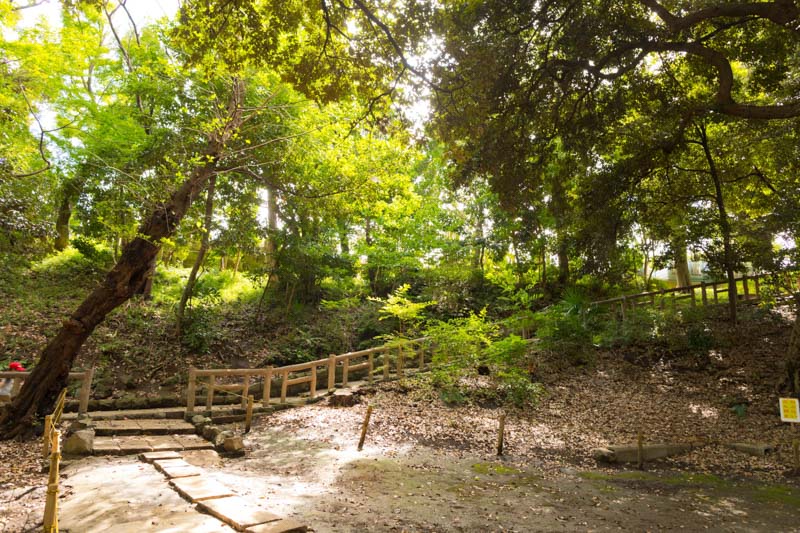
790	410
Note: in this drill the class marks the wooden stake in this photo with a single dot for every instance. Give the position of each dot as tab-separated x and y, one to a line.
313	387
248	417
345	371
245	390
640	451
364	428
501	433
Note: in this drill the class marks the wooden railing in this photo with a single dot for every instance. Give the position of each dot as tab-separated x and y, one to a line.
52	447
709	293
398	354
85	378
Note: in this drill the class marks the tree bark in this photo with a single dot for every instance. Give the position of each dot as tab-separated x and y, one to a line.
201	255
50	374
69	194
681	262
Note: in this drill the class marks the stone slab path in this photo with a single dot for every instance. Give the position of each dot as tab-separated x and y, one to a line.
124	445
216	499
145	426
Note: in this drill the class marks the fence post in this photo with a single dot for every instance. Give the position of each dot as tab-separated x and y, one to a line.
745	288
245	390
421	351
501	429
212	381
313	392
267	388
703	290
345	371
370	363
331	373
386	363
86	390
758	288
716	296
284	385
190	391
400	362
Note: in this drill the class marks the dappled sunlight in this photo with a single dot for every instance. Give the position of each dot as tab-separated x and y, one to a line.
704	410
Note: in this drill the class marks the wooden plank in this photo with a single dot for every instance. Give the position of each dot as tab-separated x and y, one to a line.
297	381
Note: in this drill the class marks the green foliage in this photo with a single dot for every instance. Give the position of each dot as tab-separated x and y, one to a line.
400	307
472	363
94	253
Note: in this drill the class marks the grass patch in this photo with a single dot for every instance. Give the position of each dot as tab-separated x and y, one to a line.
778	494
494	468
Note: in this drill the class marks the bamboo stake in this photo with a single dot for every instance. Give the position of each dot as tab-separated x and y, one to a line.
364	428
48	427
501	434
51	503
248	417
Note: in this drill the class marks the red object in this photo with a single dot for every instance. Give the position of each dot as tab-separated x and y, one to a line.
16	367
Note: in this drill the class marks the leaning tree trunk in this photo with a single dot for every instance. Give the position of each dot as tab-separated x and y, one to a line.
201	255
52	370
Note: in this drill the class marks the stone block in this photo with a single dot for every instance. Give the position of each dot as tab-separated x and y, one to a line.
758	449
79	443
149	457
233	444
198	488
237	512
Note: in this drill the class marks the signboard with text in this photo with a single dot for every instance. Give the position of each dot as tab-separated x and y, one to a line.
790	410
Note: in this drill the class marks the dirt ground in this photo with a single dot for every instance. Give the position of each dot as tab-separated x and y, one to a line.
431	467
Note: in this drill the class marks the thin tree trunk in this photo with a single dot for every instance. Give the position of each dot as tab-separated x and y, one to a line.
50	374
724	223
201	256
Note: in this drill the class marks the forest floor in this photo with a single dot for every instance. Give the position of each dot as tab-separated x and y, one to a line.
428	466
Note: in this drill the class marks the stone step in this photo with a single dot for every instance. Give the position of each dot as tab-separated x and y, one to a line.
130	445
144	426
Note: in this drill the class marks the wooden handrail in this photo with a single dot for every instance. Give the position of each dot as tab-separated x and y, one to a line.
284	371
86	384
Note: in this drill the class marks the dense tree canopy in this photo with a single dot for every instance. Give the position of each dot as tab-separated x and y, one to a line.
567	139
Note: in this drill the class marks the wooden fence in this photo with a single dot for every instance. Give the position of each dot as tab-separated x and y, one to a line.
85	378
708	294
400	355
